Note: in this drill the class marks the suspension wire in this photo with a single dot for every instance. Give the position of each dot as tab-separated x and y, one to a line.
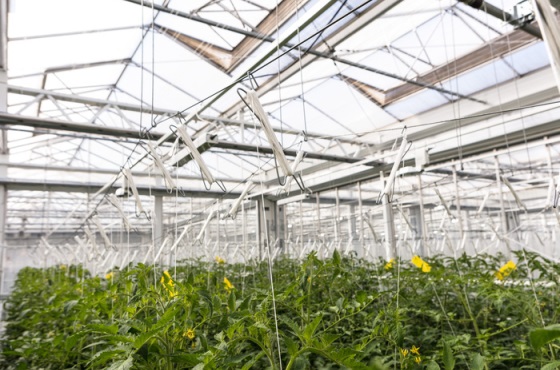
279	71
516	85
267	240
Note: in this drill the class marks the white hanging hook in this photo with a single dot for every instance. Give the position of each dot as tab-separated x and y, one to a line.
169	183
128	174
206	174
117	204
295	164
391	179
235	207
208	219
252	101
104	236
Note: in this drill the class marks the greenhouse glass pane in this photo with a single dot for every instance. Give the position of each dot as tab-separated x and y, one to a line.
416	103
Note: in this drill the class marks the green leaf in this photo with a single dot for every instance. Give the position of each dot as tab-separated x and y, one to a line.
542	336
477	362
103	356
336	257
121	365
311	327
250	364
208	298
291	346
189	359
551	366
168	316
245	304
432	365
190	279
361	296
448	359
231	301
144	337
100	328
73	339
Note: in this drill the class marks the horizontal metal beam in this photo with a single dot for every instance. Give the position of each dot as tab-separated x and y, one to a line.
503	16
550	129
289	152
480	115
164	112
14	184
88	128
87	100
204	143
102	171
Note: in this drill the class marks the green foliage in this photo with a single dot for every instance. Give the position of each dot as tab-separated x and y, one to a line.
541	336
339	313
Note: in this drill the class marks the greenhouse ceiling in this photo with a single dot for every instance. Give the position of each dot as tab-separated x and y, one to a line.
93	84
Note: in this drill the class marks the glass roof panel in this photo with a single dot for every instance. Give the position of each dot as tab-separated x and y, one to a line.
27	17
528	59
446	38
70	50
393	24
480	78
348	107
200	31
383	61
182	70
92	76
416	103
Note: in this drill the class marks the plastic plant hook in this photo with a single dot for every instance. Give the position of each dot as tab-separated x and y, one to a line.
391	179
206	174
104	236
299	157
235	207
115	202
251	100
208	219
169	183
128	174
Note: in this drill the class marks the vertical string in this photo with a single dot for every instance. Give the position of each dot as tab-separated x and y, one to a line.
279	78
301	69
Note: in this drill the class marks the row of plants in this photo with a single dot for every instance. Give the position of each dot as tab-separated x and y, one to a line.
340	313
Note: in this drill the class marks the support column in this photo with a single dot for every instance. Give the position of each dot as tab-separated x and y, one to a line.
503	220
458	206
423	246
3	133
362	252
267	225
550	30
157	219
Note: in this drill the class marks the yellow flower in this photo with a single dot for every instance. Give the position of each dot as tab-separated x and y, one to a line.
417	359
168	284
63	267
505	270
219	260
420	263
109	276
389	264
404	352
228	284
415	350
189	334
